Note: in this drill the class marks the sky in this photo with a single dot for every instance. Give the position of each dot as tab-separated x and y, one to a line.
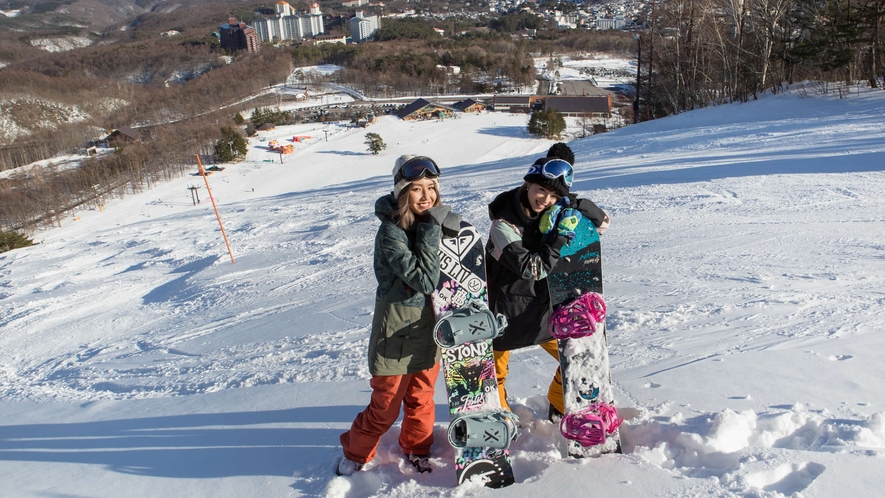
744	273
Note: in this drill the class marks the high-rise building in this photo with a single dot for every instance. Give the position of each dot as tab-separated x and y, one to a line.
239	36
363	27
284	9
289	26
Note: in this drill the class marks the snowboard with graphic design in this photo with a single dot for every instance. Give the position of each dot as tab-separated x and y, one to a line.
586	376
469	368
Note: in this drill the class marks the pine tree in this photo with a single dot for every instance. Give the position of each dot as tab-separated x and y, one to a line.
546	124
231	147
258	117
13	240
375	143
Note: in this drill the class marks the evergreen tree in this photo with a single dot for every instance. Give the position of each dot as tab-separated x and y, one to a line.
258	117
546	124
13	240
231	147
375	143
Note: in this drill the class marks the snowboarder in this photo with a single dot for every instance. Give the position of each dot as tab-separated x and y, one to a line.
519	259
403	357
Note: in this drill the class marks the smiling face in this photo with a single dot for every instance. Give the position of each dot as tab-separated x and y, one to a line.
422	195
540	198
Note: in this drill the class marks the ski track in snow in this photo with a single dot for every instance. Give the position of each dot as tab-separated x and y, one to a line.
159	358
743	277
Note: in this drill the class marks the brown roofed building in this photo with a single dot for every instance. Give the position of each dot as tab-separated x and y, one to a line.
122	136
574	97
580	106
424	109
469	105
239	36
518	103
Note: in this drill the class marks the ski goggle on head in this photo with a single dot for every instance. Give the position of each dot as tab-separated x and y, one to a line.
417	168
553	169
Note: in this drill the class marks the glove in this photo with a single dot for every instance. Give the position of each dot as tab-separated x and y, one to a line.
549	217
435	215
443	216
568	222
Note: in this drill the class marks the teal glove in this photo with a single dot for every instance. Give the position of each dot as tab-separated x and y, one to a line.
568	222
549	218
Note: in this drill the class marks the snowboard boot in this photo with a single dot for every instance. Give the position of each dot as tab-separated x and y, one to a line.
347	467
554	415
420	462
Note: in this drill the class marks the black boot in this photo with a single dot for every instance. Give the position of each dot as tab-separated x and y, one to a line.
421	463
554	415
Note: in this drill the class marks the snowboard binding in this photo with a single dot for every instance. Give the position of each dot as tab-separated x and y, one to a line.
577	318
494	429
591	425
473	322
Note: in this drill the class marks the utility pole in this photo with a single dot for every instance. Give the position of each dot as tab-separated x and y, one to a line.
638	73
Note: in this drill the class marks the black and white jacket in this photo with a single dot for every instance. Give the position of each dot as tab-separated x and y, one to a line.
517	264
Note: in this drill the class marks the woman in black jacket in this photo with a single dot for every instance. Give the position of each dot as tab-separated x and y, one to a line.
519	259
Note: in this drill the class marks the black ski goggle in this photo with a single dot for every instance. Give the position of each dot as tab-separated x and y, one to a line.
417	168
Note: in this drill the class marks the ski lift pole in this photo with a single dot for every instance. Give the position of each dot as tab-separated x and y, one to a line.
212	198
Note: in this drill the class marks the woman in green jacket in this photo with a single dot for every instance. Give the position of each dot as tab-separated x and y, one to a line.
403	358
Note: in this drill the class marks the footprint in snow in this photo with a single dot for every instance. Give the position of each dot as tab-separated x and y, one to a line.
786	479
840	357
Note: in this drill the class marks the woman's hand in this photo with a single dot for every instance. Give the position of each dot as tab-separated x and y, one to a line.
443	216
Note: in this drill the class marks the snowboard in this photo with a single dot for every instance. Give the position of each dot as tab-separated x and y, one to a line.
469	368
586	376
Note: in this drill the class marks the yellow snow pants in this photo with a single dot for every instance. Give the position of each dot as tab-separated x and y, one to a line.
554	392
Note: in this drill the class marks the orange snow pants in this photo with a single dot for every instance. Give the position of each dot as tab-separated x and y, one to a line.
414	392
554	392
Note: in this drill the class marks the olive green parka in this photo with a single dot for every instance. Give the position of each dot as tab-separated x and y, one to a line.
406	266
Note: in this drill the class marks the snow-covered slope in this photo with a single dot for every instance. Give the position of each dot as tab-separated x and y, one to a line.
744	272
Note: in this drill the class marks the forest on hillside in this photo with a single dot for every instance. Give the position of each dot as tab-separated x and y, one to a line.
701	52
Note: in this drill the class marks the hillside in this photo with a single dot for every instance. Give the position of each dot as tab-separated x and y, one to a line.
743	275
97	62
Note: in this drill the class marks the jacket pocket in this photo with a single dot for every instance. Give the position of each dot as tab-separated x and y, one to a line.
394	344
402	339
398	326
418	342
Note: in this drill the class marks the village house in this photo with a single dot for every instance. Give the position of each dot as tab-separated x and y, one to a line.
424	109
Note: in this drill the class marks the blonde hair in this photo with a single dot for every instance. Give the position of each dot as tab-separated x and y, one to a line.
405	217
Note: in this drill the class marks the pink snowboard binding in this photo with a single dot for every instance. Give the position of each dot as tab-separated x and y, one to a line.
589	426
577	318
